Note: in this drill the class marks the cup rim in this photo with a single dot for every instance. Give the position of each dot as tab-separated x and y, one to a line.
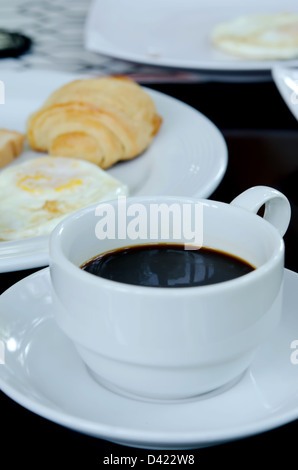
57	255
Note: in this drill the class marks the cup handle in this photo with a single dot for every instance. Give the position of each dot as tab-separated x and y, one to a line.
277	207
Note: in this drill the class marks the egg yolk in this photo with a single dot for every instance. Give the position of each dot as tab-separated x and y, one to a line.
36	183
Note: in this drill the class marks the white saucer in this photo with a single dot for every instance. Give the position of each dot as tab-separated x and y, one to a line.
43	372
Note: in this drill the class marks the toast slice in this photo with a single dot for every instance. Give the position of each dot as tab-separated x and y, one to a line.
11	146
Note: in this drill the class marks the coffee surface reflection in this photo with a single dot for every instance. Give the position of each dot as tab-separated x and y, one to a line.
167	265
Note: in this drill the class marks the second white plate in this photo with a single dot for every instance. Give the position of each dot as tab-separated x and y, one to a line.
187	158
173	33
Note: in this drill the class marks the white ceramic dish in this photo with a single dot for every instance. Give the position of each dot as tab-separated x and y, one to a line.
187	158
172	33
286	80
43	373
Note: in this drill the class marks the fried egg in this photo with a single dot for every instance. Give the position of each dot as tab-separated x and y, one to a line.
37	194
259	37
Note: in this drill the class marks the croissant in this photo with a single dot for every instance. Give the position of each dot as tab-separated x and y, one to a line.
102	120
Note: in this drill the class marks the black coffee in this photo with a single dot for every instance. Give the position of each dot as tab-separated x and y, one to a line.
167	265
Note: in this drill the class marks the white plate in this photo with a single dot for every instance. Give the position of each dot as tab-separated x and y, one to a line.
44	373
286	80
173	33
188	157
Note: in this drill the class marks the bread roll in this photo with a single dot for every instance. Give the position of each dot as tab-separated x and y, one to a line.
11	145
102	120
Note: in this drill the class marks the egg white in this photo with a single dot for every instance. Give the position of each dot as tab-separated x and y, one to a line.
37	194
259	37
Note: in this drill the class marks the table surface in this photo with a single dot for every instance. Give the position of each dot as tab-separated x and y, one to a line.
262	139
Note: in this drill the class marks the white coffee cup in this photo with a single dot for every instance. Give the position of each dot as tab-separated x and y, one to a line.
171	343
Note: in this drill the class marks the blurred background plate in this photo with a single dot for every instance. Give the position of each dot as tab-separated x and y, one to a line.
172	33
